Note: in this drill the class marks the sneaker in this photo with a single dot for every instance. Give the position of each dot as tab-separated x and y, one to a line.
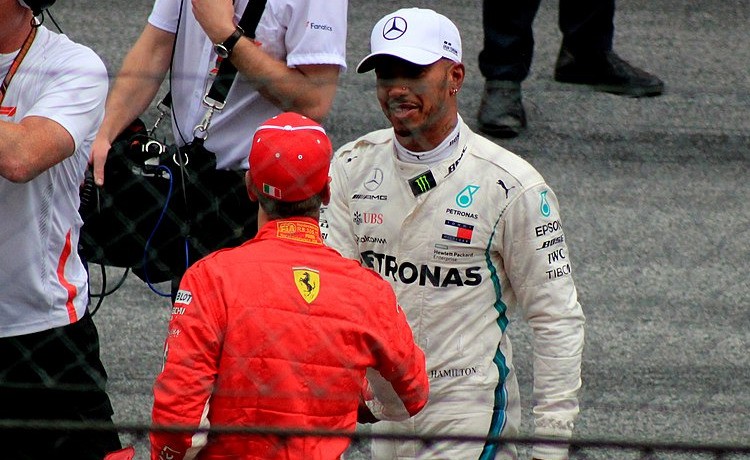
609	73
501	111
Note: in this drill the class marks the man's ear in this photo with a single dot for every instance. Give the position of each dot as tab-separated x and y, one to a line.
249	187
327	192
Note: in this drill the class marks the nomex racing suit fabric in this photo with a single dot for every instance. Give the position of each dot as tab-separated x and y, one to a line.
465	244
279	332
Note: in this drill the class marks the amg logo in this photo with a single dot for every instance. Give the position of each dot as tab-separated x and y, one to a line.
360	196
408	273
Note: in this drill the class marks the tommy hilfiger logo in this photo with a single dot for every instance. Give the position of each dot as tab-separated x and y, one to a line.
458	232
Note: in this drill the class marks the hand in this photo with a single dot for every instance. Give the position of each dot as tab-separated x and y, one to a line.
216	17
98	158
364	415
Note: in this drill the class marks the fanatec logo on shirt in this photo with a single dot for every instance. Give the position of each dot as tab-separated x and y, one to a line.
424	275
316	26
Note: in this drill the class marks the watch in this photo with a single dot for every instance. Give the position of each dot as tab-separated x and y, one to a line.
224	49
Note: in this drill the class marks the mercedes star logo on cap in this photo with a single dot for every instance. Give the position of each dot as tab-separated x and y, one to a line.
394	28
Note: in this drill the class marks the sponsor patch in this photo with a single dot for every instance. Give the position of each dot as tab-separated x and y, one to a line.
183	297
458	232
374	180
422	183
544	207
307	281
465	197
301	231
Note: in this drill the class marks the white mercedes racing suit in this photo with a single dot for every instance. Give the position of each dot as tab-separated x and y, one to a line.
464	244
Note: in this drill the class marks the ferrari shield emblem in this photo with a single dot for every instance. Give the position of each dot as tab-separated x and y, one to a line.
307	281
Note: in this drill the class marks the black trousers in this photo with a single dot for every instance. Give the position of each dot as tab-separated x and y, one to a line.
587	27
55	375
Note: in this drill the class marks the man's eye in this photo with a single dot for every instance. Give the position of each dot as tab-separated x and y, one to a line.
403	71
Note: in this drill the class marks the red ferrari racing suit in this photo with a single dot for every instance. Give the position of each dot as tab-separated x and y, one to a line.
279	332
465	244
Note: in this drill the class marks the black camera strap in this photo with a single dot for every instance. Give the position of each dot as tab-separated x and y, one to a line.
227	71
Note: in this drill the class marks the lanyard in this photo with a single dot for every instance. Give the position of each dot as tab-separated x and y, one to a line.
17	62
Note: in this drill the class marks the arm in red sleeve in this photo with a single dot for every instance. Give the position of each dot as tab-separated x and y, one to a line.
398	387
183	388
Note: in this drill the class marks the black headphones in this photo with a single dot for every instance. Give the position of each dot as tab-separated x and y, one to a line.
38	6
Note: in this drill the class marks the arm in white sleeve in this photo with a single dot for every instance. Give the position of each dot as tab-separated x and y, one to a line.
541	275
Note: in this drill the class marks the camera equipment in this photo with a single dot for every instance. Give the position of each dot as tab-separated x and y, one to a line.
38	6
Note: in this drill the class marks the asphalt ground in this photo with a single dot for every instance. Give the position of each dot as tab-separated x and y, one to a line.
654	195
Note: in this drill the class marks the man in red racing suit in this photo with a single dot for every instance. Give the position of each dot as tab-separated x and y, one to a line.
280	331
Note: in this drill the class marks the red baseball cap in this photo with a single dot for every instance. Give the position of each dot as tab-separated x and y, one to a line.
289	158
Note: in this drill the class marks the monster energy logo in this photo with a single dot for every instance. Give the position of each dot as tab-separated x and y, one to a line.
422	183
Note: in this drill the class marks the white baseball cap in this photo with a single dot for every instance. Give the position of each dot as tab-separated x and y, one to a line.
418	35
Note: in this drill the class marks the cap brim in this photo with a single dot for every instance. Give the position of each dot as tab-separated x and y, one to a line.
413	55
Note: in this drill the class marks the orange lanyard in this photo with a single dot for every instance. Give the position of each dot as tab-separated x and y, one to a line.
16	63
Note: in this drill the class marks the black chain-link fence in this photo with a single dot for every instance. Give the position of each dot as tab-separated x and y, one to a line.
580	449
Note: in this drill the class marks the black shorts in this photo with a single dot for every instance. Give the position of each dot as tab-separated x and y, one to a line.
55	375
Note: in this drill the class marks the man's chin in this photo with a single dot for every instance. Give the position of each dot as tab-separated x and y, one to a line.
401	127
402	131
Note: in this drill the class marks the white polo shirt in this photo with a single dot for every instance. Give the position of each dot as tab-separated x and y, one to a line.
299	32
43	283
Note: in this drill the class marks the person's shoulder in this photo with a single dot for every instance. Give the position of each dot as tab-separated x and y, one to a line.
224	257
365	150
498	157
369	140
59	48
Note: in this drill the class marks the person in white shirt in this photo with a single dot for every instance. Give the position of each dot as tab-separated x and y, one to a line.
51	105
292	64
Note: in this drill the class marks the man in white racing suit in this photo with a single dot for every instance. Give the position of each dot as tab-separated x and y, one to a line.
467	233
